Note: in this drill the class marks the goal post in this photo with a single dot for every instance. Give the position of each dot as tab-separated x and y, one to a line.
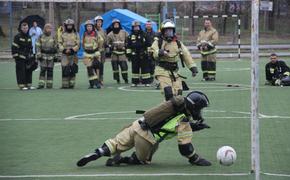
255	134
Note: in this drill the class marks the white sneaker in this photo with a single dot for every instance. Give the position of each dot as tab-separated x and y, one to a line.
31	88
133	85
147	85
24	89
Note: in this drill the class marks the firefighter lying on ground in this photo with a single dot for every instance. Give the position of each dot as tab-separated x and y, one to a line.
178	116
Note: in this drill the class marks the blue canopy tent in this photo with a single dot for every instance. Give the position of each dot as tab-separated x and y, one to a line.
125	16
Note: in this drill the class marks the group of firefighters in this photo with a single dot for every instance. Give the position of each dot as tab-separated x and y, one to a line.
154	55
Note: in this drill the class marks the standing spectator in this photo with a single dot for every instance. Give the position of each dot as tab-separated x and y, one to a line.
137	53
46	53
206	42
92	42
98	25
34	32
69	44
277	72
117	43
24	59
150	35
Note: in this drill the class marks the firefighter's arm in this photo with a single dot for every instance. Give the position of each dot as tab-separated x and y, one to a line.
214	39
77	46
60	43
100	42
38	48
128	48
15	47
155	49
191	65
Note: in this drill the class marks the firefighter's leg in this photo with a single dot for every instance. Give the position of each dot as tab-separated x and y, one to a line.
212	67
145	71
97	65
20	73
28	78
285	81
186	149
124	68
143	149
72	79
92	76
115	67
49	79
65	71
42	77
102	63
177	86
164	82
123	141
135	71
204	67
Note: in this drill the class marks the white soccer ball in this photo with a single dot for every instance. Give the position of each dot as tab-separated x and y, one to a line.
226	155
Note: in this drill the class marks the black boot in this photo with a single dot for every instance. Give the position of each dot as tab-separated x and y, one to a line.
198	161
88	158
91	84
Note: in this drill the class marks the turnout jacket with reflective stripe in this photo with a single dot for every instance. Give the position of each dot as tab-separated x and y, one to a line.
21	46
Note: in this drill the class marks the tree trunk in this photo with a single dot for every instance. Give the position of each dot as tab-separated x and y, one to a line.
58	15
77	16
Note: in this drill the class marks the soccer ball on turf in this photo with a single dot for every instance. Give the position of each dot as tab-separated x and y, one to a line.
226	155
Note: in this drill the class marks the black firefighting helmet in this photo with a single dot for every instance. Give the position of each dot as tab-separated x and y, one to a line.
195	101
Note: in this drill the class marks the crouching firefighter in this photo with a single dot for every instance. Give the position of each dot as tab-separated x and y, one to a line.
46	53
277	72
175	117
92	42
69	44
167	50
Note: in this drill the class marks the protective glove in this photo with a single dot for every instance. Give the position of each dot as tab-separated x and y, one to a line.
199	126
194	71
162	52
278	82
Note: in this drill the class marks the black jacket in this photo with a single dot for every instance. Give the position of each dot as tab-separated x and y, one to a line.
275	70
22	47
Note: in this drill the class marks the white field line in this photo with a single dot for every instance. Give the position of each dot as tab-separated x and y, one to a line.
124	175
124	88
129	118
135	175
99	113
274	174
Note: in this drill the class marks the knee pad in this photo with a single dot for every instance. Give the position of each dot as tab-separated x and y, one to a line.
186	149
168	93
104	150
